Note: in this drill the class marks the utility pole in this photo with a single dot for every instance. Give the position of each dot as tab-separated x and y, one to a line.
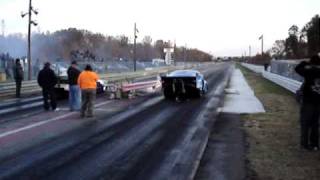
249	51
134	47
3	27
261	38
262	46
29	42
185	54
174	53
30	21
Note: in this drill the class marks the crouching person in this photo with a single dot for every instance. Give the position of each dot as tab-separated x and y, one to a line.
88	84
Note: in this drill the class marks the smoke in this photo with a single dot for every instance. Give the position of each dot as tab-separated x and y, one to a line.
14	44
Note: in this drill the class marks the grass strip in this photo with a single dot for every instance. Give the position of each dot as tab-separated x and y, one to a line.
273	150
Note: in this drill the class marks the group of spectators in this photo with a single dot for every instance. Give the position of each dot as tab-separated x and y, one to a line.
82	87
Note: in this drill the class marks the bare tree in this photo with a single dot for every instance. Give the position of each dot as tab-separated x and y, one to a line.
278	49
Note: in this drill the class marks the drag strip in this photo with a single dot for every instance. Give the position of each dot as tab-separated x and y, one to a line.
154	140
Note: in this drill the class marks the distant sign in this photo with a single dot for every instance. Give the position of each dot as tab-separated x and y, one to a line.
168	58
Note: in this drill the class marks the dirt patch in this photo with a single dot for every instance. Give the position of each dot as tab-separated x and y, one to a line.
273	137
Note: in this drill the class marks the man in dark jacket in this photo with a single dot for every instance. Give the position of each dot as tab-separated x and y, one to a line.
18	76
310	107
47	80
74	89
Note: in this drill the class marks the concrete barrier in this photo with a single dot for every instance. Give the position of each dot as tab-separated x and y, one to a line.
289	84
254	68
286	68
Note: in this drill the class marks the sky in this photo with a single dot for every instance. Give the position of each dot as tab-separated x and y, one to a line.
220	27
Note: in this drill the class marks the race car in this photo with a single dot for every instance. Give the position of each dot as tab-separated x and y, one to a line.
183	84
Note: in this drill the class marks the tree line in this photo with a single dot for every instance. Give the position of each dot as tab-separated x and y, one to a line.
299	43
72	43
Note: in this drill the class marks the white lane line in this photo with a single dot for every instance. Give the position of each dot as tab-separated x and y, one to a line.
44	122
34	125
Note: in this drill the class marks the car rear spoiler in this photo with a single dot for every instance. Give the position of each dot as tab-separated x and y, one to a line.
173	79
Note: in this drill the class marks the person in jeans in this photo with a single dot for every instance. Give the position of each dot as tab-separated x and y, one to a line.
88	84
47	80
310	107
18	76
74	89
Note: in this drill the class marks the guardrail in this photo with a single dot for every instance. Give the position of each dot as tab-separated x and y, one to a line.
8	89
287	83
11	107
139	85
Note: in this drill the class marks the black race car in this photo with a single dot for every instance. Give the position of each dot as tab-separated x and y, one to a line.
183	84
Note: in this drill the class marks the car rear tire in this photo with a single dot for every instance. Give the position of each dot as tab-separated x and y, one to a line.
200	93
167	95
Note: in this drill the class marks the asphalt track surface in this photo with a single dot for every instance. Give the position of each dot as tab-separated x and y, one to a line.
224	157
154	139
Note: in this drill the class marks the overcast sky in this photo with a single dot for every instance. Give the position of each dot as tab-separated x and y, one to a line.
221	27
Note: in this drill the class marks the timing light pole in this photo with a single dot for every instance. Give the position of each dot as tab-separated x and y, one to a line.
30	21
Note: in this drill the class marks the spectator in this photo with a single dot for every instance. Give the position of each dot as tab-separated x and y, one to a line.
74	89
88	84
266	65
18	76
310	107
47	80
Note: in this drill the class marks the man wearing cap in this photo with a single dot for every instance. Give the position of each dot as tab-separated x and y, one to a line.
47	80
74	89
